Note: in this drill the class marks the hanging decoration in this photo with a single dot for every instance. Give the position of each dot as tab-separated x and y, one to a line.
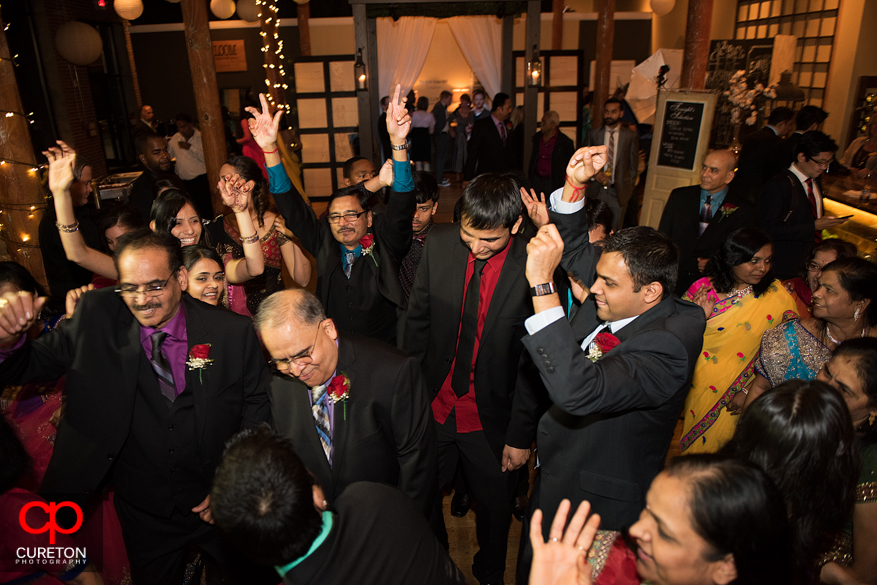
222	8
78	43
663	7
272	46
128	9
248	11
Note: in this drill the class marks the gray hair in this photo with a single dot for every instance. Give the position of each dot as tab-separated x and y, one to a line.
553	117
296	305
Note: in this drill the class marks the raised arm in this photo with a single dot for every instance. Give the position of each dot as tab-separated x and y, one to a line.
294	259
584	164
236	195
298	215
61	163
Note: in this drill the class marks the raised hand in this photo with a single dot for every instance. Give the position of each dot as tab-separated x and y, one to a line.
73	296
235	192
561	560
398	118
263	126
544	252
61	163
386	173
18	312
537	209
703	299
585	163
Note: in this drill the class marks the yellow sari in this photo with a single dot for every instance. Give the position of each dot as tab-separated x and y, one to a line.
730	349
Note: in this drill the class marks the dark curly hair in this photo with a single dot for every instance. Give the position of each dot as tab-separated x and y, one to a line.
859	278
862	352
801	434
249	170
740	247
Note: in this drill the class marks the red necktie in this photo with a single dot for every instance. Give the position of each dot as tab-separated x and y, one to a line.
812	197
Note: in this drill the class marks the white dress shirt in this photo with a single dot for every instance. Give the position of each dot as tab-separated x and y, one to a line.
816	193
190	163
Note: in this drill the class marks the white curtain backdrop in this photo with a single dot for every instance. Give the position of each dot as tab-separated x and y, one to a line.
480	39
402	49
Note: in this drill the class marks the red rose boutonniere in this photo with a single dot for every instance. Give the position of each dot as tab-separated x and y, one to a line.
199	358
368	246
339	390
603	343
727	209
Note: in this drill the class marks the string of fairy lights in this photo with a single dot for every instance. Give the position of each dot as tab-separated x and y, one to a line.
274	21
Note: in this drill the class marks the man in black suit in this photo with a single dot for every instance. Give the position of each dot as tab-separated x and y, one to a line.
790	207
760	160
146	123
552	150
155	160
700	217
615	187
808	119
464	324
618	372
488	149
269	507
358	254
142	411
442	129
382	431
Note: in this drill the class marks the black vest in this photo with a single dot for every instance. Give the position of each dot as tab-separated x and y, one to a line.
357	306
160	466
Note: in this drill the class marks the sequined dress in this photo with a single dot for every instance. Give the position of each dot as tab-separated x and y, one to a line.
790	352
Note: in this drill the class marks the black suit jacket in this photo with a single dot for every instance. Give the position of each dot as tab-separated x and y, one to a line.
392	233
486	152
100	351
785	214
626	161
607	433
680	221
506	399
759	160
383	434
563	151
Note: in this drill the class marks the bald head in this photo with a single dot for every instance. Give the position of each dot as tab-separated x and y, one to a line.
718	170
294	306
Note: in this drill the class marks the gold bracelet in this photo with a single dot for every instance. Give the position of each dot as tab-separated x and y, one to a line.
250	239
67	229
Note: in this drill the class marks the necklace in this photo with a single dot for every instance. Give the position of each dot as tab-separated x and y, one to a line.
831	337
742	292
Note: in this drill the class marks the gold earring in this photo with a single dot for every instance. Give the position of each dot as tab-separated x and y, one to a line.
871	419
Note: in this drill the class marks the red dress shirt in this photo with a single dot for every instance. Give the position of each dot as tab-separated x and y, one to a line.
446	400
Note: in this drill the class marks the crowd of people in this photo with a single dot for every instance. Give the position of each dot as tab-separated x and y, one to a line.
226	425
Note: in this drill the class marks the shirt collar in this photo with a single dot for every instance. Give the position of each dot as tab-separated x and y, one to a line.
801	176
175	328
615	326
328	520
772	128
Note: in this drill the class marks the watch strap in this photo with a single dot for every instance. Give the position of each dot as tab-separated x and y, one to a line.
540	290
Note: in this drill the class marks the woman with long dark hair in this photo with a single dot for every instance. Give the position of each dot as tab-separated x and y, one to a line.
843	308
852	371
206	274
253	229
741	300
801	434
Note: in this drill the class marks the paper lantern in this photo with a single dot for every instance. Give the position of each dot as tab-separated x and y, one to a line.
128	9
174	1
222	8
663	7
78	43
248	11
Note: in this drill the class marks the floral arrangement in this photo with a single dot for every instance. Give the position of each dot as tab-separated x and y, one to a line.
744	100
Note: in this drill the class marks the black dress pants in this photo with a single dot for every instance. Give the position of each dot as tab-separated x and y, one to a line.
489	487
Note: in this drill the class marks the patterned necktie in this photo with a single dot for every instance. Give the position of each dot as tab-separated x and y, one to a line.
320	410
610	156
812	197
162	367
468	330
706	213
351	258
502	132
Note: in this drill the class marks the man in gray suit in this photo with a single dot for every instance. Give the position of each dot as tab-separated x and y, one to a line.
614	184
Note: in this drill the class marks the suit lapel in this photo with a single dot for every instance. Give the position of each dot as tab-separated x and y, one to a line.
197	380
345	367
459	261
130	353
305	420
662	310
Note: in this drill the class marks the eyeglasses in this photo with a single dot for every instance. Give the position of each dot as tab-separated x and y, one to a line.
151	290
347	217
823	164
283	364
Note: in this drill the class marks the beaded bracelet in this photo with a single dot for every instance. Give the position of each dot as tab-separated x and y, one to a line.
67	229
250	239
271	151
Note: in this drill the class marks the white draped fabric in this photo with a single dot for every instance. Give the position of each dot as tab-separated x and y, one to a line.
402	49
480	39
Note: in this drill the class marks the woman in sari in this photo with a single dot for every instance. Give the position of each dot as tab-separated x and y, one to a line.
824	253
843	308
741	300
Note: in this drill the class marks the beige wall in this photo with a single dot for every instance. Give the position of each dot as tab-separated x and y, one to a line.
853	57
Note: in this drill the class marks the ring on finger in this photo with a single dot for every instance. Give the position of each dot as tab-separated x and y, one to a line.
554	539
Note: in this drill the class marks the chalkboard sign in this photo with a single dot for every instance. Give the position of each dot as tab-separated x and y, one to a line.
679	134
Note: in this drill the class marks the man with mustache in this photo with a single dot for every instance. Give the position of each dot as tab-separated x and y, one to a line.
355	409
358	254
615	182
157	382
